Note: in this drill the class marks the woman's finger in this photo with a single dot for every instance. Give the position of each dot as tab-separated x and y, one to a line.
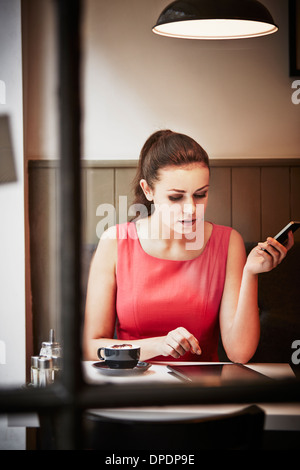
278	247
267	253
193	342
176	342
276	254
291	240
171	352
186	340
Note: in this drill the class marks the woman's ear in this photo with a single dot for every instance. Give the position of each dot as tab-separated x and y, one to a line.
146	190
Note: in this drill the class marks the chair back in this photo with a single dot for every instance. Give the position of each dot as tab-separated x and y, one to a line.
240	430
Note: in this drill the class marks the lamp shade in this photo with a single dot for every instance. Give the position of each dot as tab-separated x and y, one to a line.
215	19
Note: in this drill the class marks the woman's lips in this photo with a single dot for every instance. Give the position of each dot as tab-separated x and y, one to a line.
188	222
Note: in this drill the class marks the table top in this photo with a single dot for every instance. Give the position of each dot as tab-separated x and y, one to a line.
283	416
159	372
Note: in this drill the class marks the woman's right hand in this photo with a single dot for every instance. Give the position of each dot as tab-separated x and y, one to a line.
178	342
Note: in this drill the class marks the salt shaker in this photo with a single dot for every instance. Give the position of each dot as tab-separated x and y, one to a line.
51	348
34	372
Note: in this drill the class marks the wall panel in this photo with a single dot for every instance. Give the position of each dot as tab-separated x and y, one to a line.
295	196
246	202
98	194
275	200
219	199
123	192
44	252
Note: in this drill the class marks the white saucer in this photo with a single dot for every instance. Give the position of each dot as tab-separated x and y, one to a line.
104	369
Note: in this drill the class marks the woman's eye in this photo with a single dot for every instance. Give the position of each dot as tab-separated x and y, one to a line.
179	197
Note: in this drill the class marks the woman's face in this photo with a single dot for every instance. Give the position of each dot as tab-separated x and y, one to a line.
180	196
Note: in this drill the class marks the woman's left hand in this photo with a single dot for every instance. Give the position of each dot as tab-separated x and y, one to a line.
266	256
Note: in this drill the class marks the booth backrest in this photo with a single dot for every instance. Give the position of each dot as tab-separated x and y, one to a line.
279	305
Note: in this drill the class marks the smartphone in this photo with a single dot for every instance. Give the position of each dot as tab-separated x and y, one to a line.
282	236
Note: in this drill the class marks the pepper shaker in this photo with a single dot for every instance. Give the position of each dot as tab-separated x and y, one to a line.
45	366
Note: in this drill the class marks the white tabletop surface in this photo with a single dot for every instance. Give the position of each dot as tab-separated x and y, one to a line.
158	372
283	416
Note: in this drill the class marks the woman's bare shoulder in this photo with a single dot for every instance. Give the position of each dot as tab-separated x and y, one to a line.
236	246
236	237
109	234
106	251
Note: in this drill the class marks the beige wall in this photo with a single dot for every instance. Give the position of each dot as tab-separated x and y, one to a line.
234	97
12	250
12	279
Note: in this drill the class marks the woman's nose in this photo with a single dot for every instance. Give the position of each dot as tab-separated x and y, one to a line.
189	207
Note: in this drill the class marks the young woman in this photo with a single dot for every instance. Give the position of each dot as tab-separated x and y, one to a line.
170	281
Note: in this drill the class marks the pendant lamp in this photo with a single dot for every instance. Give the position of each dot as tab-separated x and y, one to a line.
215	19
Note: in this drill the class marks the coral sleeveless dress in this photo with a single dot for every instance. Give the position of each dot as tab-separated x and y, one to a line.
155	296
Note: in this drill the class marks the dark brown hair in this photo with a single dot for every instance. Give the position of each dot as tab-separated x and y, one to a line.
164	148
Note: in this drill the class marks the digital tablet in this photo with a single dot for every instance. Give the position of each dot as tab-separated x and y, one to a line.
215	374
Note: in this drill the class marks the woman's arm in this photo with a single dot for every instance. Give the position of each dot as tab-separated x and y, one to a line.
100	297
100	311
239	313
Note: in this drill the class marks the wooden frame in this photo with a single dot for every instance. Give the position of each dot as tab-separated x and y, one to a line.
294	37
